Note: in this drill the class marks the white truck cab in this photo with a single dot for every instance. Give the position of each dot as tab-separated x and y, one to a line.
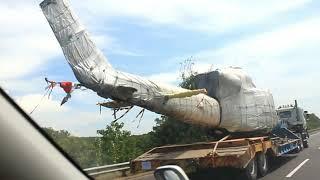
292	115
295	119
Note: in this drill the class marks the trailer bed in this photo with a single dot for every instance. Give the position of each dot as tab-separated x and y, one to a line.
226	152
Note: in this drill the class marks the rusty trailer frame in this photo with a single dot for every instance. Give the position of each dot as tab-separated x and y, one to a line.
236	153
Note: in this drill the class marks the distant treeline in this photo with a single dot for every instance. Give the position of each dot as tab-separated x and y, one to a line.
313	122
117	145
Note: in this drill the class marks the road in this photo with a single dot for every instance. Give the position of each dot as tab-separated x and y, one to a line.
302	166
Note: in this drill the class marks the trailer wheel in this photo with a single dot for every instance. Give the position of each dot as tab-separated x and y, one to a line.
250	172
262	164
299	148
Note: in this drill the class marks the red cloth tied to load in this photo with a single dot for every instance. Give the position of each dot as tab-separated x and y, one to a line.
66	86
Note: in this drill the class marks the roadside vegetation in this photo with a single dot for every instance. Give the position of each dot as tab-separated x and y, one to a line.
115	145
313	122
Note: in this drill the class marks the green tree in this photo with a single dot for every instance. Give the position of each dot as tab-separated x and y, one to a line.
313	121
81	149
116	144
169	130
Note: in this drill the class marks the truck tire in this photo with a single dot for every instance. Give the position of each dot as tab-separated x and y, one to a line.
262	164
299	148
250	172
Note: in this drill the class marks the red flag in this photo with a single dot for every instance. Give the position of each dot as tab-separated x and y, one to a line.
66	86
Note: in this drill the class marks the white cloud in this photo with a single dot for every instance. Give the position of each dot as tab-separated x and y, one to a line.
284	60
205	15
50	114
26	40
281	41
24	86
112	46
29	101
165	78
80	121
290	49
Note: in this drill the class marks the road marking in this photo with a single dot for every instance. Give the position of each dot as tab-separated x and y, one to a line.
315	134
297	168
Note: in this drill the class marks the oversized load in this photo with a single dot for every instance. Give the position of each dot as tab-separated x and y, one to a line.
243	108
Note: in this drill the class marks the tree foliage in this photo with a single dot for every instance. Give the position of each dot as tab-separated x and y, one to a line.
313	121
81	149
116	145
170	131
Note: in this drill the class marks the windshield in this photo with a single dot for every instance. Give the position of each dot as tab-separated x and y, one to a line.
285	114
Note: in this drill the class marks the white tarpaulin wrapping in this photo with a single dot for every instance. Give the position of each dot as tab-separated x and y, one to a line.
243	107
92	70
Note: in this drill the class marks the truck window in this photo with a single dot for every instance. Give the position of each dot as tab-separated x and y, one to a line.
285	114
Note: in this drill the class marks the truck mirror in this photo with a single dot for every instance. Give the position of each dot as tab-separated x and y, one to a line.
170	172
307	116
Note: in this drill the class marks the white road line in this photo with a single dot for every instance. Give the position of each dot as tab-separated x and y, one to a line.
297	168
315	134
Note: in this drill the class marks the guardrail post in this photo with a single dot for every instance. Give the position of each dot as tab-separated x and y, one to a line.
124	174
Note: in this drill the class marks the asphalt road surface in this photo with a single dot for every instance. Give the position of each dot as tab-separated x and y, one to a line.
302	166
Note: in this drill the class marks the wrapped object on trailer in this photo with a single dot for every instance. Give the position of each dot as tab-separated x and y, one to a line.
243	106
93	71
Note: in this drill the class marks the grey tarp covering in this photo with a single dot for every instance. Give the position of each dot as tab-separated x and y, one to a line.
92	70
243	106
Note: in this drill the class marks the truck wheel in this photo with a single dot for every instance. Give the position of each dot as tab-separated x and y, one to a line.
299	148
262	164
250	172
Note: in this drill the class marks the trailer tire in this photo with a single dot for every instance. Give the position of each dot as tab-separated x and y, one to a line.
262	164
299	148
250	172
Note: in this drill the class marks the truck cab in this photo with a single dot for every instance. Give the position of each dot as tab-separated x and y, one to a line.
295	119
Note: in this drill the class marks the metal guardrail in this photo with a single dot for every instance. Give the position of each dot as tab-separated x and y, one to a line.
121	167
314	130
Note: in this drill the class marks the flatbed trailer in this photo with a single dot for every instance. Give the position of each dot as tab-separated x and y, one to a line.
248	154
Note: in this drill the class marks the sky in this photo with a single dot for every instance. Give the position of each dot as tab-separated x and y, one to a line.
276	42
